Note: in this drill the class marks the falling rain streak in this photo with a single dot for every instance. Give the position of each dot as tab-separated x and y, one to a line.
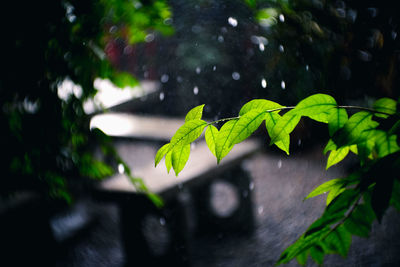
283	85
162	96
264	83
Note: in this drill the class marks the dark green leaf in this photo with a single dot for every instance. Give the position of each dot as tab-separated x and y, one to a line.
395	199
339	240
360	220
302	257
337	120
317	254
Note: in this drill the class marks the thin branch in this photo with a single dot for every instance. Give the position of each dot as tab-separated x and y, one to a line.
365	109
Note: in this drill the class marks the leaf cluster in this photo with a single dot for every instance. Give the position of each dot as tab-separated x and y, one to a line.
353	202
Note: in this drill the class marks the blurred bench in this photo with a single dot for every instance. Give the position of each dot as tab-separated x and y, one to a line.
204	197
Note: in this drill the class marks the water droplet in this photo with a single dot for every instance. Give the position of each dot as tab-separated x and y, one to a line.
164	78
299	142
307	67
232	21
394	35
162	221
149	38
264	83
364	56
220	38
235	76
195	90
282	18
283	85
279	164
198	70
179	79
260	209
281	48
162	96
251	186
121	168
261	47
214	68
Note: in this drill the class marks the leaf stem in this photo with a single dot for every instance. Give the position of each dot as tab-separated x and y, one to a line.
365	109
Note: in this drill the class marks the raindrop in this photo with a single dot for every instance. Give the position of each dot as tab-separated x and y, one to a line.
260	209
351	15
307	67
261	47
121	168
264	83
220	38
282	18
372	12
235	76
198	70
214	68
162	221
164	78
364	55
283	84
195	90
232	21
281	48
279	164
299	142
251	186
394	35
149	38
179	79
162	96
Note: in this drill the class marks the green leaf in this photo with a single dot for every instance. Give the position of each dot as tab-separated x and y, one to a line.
211	138
339	241
168	161
303	244
260	105
195	113
360	220
271	119
180	156
385	144
187	133
302	257
337	155
223	144
330	146
317	107
317	254
326	187
333	194
337	120
283	128
245	126
161	153
353	131
386	105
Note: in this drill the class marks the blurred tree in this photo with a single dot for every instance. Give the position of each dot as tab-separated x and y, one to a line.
46	141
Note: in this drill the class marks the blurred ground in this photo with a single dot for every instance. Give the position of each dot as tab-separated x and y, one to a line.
281	183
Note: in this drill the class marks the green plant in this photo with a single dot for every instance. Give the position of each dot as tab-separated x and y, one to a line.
353	202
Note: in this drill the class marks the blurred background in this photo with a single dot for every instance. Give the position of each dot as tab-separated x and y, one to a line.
83	80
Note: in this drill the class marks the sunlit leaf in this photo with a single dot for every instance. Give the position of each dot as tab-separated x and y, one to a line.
270	122
245	126
187	133
211	138
223	144
317	107
260	105
284	127
161	153
327	186
168	161
337	155
386	105
195	113
385	144
337	119
180	156
330	146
